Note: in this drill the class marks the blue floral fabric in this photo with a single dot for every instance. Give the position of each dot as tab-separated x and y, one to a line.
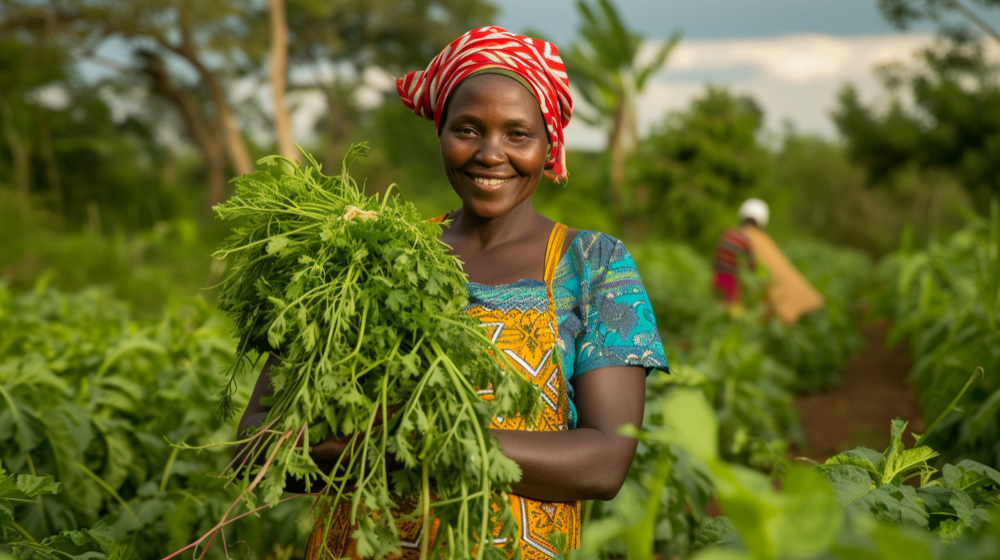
604	315
605	318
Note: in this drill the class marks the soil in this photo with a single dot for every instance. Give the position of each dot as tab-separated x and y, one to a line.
873	391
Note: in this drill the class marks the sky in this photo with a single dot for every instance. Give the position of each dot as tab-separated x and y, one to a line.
792	56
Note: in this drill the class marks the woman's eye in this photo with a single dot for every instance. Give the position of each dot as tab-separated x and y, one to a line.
519	135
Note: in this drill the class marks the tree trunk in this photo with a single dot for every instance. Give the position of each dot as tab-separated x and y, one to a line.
48	153
236	147
18	151
279	61
198	128
337	128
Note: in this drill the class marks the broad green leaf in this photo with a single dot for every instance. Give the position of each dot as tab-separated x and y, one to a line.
724	554
935	498
810	514
905	463
891	455
971	515
32	486
719	530
969	475
850	482
895	504
690	423
861	457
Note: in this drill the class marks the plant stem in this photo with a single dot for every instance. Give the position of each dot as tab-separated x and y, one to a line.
425	529
24	533
168	468
948	408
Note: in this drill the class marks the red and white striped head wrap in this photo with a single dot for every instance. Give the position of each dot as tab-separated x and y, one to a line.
495	48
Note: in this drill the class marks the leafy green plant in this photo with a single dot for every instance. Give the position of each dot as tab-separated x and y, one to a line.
945	301
951	504
90	395
365	307
804	516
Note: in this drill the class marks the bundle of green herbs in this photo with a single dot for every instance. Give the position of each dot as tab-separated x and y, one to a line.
364	306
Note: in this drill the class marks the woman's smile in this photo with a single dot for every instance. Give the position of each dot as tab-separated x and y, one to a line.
489	184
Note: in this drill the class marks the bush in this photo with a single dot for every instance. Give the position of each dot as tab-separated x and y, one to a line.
94	398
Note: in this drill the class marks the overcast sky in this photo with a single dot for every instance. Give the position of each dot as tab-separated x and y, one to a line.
705	19
793	56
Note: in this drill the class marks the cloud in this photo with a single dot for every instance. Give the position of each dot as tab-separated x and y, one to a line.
794	78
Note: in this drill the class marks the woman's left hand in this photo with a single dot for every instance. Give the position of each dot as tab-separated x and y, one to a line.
592	460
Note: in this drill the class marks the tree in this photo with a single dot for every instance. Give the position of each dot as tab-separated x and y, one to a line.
605	68
902	13
209	37
698	165
24	67
952	123
350	36
191	55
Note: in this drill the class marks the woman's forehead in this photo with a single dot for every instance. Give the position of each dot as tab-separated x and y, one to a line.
494	95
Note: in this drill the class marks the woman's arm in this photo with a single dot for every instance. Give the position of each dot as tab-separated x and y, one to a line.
591	461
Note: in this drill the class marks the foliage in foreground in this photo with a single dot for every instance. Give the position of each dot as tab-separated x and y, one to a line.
825	512
949	505
93	397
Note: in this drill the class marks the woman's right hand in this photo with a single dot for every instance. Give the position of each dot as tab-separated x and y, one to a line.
328	452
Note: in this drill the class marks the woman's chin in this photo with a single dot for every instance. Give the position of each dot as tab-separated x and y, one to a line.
489	209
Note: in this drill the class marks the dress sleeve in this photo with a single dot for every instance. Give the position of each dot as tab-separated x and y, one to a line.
619	328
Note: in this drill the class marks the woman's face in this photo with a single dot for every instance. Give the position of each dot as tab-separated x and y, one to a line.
493	143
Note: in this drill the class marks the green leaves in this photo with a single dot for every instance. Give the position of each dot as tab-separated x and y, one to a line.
366	307
898	463
872	484
89	396
944	303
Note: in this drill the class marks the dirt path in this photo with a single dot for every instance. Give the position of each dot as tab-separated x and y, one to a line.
859	410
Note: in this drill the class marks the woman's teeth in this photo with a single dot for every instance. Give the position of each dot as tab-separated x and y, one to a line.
490	182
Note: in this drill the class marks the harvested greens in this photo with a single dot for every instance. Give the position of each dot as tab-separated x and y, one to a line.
364	305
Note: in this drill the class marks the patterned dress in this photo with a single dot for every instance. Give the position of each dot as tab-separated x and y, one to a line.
590	311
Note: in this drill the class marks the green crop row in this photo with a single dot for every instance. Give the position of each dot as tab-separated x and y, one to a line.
945	302
95	398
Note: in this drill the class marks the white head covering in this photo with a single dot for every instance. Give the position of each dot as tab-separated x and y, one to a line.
755	209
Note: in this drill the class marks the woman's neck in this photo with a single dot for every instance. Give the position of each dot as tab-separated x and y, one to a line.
485	233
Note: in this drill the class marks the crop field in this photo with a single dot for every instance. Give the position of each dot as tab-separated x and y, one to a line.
183	239
103	411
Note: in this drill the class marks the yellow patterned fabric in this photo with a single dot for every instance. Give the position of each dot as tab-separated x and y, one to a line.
526	331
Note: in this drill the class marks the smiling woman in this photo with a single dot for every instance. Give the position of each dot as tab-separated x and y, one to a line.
567	307
493	144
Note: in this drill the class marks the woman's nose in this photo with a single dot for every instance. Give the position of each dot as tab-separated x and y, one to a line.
491	152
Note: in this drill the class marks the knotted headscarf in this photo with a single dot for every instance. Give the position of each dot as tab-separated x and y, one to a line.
495	48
